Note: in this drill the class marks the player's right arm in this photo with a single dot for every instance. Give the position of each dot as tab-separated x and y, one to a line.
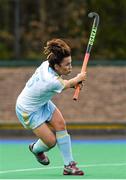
74	81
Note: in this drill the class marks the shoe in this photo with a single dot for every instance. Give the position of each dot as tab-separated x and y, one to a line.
71	169
41	157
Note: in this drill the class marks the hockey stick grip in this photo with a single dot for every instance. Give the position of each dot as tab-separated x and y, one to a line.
77	91
84	66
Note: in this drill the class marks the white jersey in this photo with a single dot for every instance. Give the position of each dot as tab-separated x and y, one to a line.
40	88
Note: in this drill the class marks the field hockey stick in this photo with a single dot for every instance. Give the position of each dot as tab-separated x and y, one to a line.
88	50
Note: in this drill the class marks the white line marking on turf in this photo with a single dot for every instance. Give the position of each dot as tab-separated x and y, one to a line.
30	169
59	167
109	164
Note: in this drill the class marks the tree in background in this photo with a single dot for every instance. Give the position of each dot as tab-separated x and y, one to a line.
111	40
26	26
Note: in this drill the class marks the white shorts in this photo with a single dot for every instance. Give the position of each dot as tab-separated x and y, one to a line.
33	120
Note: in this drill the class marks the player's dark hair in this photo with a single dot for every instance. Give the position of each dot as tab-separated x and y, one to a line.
56	50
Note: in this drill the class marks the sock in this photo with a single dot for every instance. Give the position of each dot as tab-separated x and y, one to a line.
40	146
64	144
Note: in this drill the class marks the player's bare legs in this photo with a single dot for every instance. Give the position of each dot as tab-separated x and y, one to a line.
47	139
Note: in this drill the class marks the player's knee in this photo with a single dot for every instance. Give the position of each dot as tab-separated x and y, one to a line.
61	126
53	145
52	142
